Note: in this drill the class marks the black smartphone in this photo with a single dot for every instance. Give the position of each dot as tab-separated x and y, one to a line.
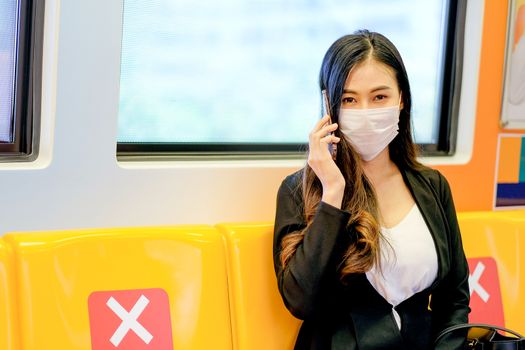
326	110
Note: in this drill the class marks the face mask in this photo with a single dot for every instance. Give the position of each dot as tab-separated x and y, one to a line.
370	131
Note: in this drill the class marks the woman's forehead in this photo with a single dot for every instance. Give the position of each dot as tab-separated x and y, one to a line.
369	75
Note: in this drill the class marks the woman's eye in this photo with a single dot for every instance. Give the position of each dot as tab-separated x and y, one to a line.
347	100
380	97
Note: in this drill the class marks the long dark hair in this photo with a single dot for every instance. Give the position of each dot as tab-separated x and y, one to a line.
359	197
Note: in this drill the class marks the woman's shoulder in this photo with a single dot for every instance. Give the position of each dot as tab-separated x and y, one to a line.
294	180
429	173
426	172
433	176
291	186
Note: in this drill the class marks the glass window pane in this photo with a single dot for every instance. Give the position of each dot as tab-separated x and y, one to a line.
246	71
8	34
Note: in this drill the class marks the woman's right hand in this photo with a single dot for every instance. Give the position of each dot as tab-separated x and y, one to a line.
321	162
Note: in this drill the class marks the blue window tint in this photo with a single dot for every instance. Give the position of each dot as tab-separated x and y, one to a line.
244	72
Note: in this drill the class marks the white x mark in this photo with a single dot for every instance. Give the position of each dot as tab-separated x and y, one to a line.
129	320
473	281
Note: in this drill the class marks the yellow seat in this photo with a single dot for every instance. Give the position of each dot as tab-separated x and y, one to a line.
76	288
260	319
8	322
501	236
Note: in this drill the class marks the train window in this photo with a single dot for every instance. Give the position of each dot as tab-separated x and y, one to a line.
240	77
21	27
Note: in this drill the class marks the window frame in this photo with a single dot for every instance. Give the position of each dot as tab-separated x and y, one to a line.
450	94
448	112
28	81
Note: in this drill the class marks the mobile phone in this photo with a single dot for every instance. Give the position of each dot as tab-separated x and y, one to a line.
332	147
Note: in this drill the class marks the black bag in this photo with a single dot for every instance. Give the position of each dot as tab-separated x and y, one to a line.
486	337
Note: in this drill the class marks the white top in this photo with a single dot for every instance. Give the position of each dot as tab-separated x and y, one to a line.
408	260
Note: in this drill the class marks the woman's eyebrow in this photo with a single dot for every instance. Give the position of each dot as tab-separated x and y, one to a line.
378	88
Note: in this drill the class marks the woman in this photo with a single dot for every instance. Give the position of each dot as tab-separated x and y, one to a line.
367	248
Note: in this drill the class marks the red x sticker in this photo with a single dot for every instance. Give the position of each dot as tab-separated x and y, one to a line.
485	293
137	319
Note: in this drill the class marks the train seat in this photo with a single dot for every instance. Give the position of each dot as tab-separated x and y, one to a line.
261	321
200	287
8	323
494	243
136	288
259	317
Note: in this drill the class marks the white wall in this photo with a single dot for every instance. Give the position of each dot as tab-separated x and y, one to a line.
76	181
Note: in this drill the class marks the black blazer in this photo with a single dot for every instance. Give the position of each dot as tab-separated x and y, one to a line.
354	315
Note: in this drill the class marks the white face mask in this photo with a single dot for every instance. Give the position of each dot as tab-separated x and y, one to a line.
370	131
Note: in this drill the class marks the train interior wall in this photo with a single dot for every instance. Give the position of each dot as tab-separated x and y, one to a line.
77	181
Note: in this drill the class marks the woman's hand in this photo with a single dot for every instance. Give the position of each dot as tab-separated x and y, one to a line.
321	162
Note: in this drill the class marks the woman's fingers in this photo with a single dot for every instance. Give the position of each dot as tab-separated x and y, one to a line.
322	134
324	120
323	131
329	128
322	123
330	139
